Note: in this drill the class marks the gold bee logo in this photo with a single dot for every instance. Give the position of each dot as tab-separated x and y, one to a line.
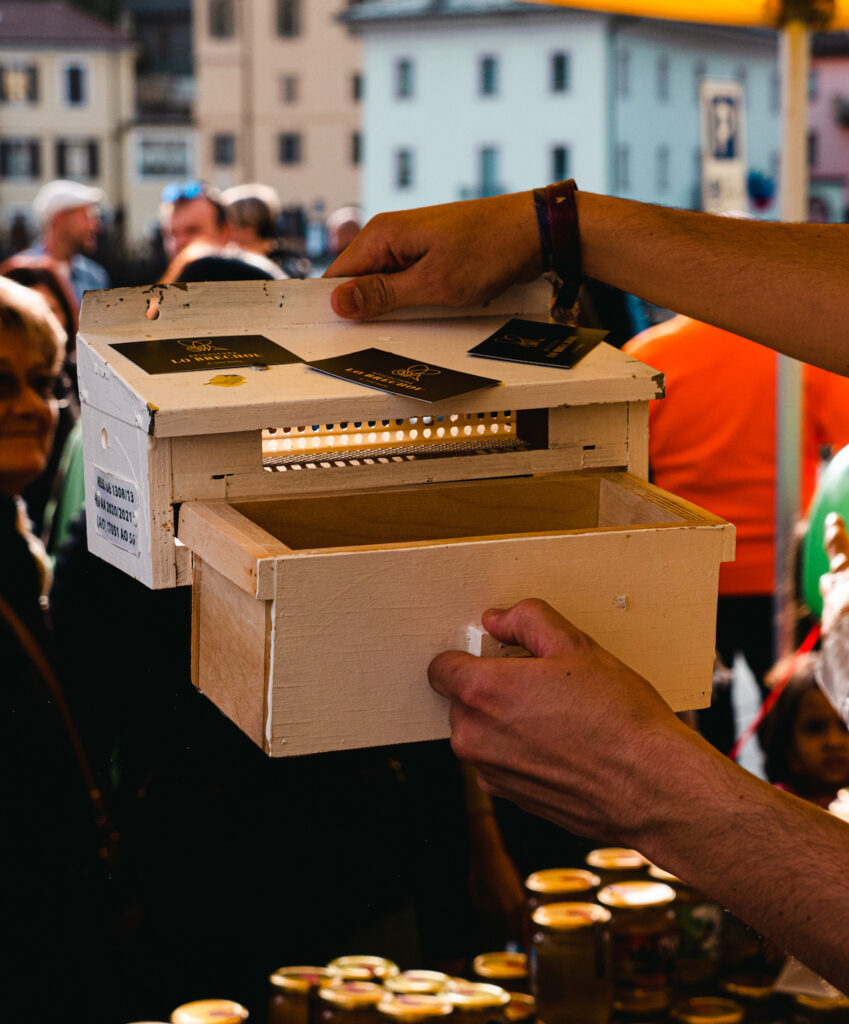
417	371
227	380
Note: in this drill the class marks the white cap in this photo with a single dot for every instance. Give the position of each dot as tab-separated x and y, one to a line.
57	196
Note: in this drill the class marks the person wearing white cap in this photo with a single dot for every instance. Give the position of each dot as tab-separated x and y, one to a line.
68	216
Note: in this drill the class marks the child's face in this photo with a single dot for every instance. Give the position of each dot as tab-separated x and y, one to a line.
820	750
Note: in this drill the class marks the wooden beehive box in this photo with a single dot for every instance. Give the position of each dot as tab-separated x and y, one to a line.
338	537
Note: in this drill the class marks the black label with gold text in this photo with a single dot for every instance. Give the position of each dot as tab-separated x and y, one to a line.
176	355
525	341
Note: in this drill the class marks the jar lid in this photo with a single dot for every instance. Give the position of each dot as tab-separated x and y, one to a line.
302	979
562	880
826	1003
563	917
473	996
521	1008
636	895
423	982
708	1010
413	1006
748	986
663	876
615	857
363	968
501	965
352	995
210	1011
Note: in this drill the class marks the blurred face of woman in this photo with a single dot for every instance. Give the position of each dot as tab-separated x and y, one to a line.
820	751
28	411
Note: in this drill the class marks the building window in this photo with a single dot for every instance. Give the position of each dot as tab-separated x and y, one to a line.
622	167
775	92
77	158
290	148
75	85
662	168
561	160
404	78
163	158
222	19
20	159
741	75
813	149
290	88
224	149
488	76
288	18
356	148
813	84
488	171
19	83
623	72
560	72
699	75
356	87
403	168
662	77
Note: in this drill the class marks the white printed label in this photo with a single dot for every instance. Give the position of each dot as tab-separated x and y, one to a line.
116	510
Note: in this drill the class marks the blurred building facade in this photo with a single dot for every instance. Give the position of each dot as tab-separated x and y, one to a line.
473	97
278	99
828	127
66	101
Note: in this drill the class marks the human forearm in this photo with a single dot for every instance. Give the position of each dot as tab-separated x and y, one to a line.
776	861
784	285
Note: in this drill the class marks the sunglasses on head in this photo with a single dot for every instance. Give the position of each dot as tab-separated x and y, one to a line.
191	189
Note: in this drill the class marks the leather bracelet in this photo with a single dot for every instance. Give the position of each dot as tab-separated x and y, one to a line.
560	244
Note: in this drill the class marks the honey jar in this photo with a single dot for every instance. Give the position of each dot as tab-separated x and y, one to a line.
350	1002
421	982
363	968
210	1011
294	994
413	1008
558	885
821	1009
509	970
699	931
571	977
644	941
476	1002
708	1010
617	864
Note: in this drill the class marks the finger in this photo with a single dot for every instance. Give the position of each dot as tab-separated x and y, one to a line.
836	543
376	294
448	672
534	625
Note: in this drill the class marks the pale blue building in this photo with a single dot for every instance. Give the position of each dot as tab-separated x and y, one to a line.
474	97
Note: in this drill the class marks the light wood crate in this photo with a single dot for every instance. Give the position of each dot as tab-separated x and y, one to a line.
325	580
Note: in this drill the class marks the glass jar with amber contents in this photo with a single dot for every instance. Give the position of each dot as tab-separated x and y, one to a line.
509	970
412	982
756	994
364	968
708	1010
559	885
476	1002
617	864
350	1002
210	1011
821	1010
571	979
413	1008
644	941
699	931
294	994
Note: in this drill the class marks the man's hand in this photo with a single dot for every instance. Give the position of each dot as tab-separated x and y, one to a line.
457	254
571	734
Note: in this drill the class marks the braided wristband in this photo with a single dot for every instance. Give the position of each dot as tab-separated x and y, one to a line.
560	244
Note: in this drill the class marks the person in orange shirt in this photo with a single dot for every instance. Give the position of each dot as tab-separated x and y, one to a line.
712	440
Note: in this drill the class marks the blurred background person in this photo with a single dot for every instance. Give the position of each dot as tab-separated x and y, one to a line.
343	226
39	274
191	211
253	214
52	891
69	219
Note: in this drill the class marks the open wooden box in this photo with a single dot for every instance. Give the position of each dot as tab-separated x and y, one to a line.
336	547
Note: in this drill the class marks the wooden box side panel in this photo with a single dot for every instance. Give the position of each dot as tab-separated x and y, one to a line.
230	645
354	633
131	456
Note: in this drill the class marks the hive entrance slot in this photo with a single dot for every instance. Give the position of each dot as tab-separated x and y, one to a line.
367	442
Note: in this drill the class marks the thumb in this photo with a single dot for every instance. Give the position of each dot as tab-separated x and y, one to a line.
534	625
375	294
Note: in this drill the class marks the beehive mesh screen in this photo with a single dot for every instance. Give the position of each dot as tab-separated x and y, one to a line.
367	442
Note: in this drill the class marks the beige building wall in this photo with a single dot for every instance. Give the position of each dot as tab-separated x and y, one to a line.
258	85
100	117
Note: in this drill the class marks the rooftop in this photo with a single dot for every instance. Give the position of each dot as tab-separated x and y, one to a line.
52	23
